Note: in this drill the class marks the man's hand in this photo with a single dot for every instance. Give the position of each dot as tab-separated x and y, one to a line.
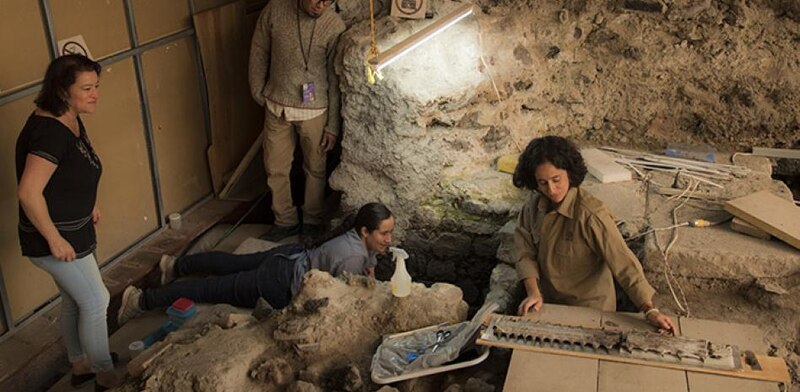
531	301
328	142
61	249
96	215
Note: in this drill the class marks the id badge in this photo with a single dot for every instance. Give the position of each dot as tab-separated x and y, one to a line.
309	92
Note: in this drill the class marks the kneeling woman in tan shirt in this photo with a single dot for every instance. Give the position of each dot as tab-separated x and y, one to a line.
568	248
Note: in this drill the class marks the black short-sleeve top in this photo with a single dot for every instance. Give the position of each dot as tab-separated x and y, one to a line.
72	190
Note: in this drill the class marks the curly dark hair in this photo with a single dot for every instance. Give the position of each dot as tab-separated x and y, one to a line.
557	150
60	75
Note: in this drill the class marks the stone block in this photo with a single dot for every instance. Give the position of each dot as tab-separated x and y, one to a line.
505	236
715	252
626	200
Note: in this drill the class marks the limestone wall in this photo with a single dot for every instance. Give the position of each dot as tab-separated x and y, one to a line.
640	74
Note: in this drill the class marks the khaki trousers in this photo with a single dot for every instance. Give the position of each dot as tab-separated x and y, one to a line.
280	139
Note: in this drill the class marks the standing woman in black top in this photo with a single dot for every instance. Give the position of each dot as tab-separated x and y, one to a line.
57	175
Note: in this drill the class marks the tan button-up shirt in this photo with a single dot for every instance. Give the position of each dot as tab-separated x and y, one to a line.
575	251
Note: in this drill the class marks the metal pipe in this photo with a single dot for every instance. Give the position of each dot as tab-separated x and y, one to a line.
145	109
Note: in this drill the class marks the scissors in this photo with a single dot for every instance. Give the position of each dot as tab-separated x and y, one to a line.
442	337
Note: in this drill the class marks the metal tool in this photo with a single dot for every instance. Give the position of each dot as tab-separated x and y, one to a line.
441	338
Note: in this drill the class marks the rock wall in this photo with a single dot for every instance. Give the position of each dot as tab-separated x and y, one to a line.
627	73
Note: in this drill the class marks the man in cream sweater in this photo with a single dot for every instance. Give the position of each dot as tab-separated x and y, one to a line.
291	74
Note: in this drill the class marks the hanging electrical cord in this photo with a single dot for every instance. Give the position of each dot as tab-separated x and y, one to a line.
373	47
372	75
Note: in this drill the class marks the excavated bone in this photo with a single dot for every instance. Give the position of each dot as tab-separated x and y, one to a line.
553	335
633	344
666	345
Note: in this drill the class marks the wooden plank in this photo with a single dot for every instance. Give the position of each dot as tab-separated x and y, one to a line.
243	166
138	365
223	35
603	167
550	372
699	382
776	152
24	60
623	377
101	22
614	376
176	110
125	194
743	227
774	369
555	372
27	286
156	19
770	213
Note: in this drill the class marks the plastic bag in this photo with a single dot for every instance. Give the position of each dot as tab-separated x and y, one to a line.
427	347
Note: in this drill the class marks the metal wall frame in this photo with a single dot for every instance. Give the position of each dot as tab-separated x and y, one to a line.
134	52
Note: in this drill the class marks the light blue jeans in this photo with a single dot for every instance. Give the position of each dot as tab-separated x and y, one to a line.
84	300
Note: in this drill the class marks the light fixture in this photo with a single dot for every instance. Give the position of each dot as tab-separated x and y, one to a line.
382	60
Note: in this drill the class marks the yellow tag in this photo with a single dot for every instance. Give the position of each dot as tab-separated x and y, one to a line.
370	74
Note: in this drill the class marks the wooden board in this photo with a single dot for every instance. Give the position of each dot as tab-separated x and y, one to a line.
770	213
603	167
622	377
774	369
125	196
244	165
700	382
24	59
27	287
776	152
155	19
224	35
176	111
101	22
555	372
743	227
550	372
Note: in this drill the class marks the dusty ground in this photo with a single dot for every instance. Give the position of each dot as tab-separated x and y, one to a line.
324	339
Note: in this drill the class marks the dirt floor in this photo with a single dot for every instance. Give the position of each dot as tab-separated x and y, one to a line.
324	340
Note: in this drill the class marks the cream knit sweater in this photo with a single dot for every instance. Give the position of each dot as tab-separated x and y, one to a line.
277	68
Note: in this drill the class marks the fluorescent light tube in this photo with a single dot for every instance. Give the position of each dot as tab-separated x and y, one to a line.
413	41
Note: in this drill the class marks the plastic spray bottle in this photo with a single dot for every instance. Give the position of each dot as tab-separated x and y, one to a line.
401	280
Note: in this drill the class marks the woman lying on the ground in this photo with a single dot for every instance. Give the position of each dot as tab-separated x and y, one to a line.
568	248
275	275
